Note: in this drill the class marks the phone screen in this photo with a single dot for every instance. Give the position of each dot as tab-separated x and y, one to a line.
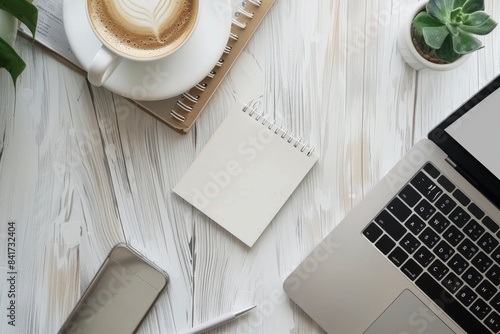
119	296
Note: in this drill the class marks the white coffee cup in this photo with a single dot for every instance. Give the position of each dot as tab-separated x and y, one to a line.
137	30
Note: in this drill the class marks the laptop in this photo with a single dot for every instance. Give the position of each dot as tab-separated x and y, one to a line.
420	253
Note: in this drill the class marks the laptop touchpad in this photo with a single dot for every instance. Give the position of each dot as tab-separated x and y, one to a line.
408	315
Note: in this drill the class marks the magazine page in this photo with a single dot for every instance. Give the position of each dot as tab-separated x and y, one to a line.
50	29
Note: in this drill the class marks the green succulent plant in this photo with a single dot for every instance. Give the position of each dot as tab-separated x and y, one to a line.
27	13
448	27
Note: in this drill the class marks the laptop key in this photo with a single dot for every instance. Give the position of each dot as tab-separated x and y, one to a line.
496	255
493	322
452	283
467	249
399	209
438	269
453	235
486	290
488	242
480	309
439	222
411	269
429	237
482	261
424	209
458	264
372	232
459	217
423	256
410	196
385	244
398	256
474	230
426	186
461	315
431	170
446	184
443	251
476	211
495	302
409	243
494	274
461	197
490	224
389	224
415	224
466	295
445	203
472	277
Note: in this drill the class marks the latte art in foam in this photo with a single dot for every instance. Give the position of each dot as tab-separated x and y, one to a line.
143	28
148	14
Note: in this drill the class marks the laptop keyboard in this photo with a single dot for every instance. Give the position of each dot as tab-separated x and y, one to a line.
445	244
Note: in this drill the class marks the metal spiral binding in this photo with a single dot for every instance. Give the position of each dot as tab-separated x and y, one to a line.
244	12
190	97
233	36
184	106
256	2
287	135
202	86
238	23
177	116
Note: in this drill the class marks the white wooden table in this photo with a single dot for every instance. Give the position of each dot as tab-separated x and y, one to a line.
74	157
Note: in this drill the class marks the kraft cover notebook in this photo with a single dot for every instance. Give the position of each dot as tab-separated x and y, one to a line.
182	111
246	172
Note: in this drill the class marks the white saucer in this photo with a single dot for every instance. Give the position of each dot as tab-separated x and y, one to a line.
161	79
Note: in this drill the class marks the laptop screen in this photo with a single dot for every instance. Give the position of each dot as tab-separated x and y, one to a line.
471	139
478	131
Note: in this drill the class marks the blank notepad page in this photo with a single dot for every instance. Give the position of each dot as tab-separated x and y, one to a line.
245	173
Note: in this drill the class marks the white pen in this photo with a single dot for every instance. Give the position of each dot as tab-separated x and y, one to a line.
218	321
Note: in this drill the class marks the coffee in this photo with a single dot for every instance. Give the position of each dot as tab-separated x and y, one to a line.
143	28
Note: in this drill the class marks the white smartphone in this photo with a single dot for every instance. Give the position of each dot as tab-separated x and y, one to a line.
120	295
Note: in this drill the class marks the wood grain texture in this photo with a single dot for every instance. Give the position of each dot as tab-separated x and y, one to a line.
75	157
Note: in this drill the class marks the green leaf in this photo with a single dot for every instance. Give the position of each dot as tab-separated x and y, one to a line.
10	60
452	28
24	11
482	29
471	6
423	19
456	13
439	9
435	36
458	3
477	18
465	43
446	52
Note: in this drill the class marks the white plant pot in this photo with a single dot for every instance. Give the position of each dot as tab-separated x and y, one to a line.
411	55
8	27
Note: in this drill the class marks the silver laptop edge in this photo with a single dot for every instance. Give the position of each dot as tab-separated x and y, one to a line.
345	283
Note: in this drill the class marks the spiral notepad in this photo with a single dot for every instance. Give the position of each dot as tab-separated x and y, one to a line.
189	105
246	172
